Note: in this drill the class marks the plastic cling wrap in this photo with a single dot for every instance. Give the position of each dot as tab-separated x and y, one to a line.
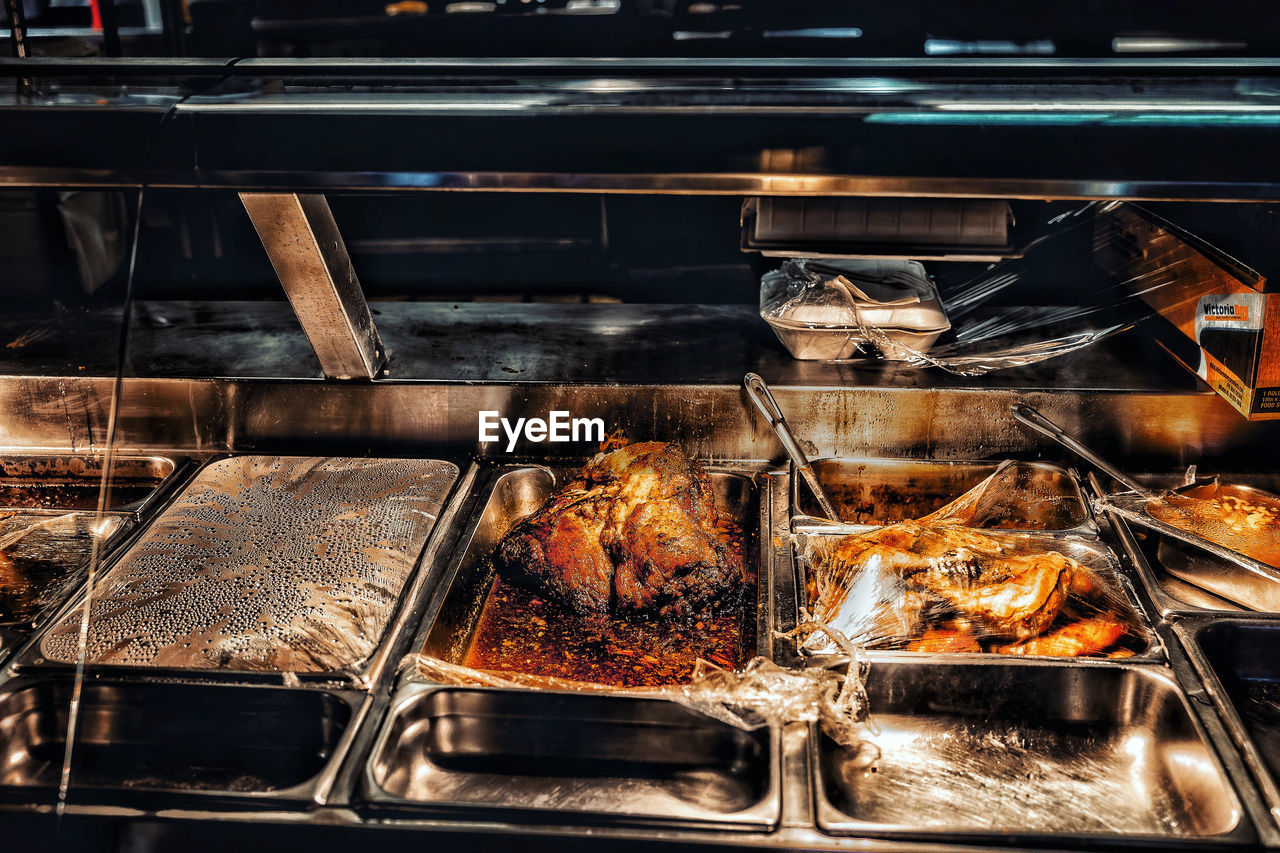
759	694
285	564
939	585
807	298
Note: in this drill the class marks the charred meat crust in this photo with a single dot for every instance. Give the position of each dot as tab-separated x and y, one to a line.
636	532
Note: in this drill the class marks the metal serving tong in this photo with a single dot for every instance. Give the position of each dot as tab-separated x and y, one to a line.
1252	582
1038	422
759	393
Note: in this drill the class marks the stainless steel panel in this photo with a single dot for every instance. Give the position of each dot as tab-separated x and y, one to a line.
515	492
1239	661
1010	751
265	564
310	257
150	744
538	756
871	492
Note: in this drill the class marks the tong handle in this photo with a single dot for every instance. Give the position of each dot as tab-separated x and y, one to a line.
1038	422
760	394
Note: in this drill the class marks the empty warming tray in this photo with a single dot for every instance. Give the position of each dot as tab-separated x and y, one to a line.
263	563
1239	660
1013	749
72	481
542	755
485	622
875	492
136	740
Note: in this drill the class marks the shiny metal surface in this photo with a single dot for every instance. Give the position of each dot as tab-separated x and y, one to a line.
1014	751
72	481
872	491
1030	417
759	393
1230	574
546	756
513	492
310	257
1181	578
287	565
1239	662
186	742
47	555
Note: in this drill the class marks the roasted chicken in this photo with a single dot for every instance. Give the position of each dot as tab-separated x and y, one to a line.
950	588
635	532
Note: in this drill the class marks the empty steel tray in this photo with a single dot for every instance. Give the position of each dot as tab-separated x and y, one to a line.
1020	750
874	492
151	744
456	618
542	756
72	480
1239	660
264	564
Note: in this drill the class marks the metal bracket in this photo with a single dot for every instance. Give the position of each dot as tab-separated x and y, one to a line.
309	256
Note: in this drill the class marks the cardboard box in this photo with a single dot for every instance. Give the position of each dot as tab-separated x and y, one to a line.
1227	323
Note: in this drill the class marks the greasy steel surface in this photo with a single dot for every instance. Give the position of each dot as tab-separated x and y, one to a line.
1093	555
46	558
537	754
134	740
310	257
1012	749
876	491
1239	660
1184	578
278	564
465	612
67	481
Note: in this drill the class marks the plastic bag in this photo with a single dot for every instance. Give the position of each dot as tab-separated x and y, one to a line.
937	584
760	694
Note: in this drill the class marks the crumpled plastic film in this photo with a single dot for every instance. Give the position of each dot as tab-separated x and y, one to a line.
985	337
937	584
760	694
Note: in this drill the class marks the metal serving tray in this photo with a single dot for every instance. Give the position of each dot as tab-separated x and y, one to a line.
263	564
267	745
72	480
1030	752
537	756
1239	661
515	492
874	492
1093	554
1182	578
48	564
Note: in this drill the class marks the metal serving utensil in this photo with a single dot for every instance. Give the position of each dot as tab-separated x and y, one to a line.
759	393
1038	422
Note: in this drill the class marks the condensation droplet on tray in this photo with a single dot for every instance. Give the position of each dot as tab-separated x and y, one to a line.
266	563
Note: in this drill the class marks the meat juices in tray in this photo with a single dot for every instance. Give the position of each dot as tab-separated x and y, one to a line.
937	585
623	576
